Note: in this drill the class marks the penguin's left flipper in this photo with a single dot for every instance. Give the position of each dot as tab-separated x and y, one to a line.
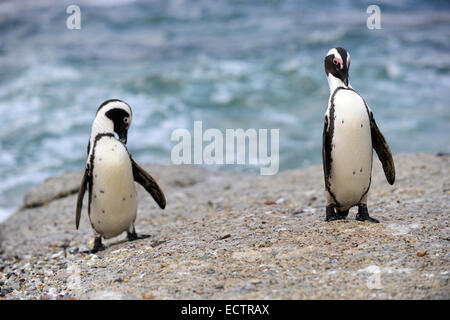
146	180
83	186
383	151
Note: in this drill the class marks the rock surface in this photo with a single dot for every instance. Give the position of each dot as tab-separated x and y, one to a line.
231	235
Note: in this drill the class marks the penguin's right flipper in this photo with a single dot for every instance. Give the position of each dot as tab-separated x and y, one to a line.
326	151
146	180
383	151
83	186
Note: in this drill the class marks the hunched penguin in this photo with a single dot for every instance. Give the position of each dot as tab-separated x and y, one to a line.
110	175
350	132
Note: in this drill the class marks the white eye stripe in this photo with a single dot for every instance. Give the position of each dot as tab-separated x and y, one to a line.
335	53
115	105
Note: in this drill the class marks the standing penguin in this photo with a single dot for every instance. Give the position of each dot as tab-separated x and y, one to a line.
349	134
110	175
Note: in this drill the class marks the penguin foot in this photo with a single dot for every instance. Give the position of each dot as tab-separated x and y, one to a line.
132	236
331	215
363	214
98	245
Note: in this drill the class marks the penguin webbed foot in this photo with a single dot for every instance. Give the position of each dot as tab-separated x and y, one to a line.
363	214
98	245
132	236
331	214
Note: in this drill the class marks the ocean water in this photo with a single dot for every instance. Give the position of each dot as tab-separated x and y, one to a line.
231	64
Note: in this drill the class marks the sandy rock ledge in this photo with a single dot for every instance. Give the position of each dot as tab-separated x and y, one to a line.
217	239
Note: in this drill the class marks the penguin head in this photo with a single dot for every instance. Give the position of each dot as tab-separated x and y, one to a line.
113	115
337	64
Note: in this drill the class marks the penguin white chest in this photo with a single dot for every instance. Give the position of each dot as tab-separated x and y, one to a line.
351	149
113	199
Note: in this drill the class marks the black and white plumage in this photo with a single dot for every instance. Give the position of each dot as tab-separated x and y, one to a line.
110	175
350	132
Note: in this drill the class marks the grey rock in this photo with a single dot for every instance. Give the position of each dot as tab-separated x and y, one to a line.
53	188
217	239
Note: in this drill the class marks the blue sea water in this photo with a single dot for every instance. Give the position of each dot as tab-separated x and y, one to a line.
231	64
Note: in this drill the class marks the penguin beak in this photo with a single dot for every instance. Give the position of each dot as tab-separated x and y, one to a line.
343	75
123	133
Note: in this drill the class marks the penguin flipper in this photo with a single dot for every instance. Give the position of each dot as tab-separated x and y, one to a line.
146	180
383	151
83	186
326	151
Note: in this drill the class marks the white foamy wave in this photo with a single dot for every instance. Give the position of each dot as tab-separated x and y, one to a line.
415	19
209	69
234	68
290	65
5	213
326	36
104	3
222	95
393	69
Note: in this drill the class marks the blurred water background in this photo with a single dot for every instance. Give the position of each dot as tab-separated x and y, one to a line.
231	64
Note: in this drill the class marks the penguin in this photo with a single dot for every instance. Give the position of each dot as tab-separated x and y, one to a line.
349	135
110	175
